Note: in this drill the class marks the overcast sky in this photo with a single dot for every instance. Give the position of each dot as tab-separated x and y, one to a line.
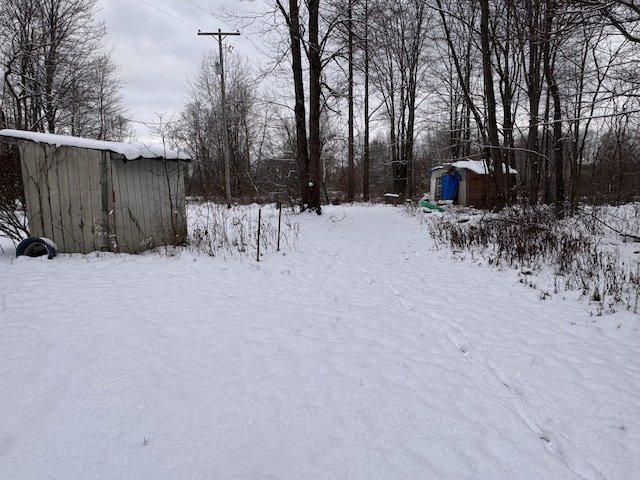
156	45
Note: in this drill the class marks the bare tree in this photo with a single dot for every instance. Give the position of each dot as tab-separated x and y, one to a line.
623	15
56	79
13	222
522	83
399	60
95	108
460	31
455	71
615	171
495	153
291	15
52	56
202	128
528	28
366	155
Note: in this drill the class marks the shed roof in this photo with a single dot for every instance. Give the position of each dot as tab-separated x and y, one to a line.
476	166
128	150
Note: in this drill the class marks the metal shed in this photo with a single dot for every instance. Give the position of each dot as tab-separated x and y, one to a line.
88	195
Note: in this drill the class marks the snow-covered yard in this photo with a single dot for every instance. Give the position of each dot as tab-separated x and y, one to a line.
362	353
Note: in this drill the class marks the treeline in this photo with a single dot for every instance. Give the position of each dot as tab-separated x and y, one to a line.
57	75
363	97
548	87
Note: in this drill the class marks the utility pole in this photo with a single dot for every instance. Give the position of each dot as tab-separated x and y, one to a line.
225	133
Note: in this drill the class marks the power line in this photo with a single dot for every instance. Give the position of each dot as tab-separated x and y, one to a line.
199	7
208	12
169	14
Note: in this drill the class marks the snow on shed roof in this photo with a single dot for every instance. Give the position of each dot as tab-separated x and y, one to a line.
127	150
476	166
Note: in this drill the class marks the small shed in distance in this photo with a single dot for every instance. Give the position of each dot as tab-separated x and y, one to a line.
89	195
464	182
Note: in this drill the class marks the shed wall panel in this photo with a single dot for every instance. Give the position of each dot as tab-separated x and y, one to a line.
121	220
116	209
56	195
435	193
139	205
135	188
33	198
146	202
92	201
132	215
88	193
481	192
149	204
463	190
29	180
161	202
40	174
180	212
109	175
79	189
72	223
172	202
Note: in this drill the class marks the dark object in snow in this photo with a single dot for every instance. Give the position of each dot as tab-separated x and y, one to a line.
425	203
393	198
36	247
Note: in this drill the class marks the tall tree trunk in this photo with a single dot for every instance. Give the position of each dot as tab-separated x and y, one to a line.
413	67
492	123
366	152
410	135
350	167
554	92
506	58
315	70
534	92
292	17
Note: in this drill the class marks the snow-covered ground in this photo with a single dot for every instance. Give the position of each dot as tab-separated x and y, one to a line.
363	353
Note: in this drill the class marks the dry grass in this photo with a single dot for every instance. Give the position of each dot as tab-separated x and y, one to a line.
590	252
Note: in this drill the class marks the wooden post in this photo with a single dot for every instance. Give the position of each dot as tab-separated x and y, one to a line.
279	222
259	222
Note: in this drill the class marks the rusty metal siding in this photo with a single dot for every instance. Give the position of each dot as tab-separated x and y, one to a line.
63	195
87	200
145	191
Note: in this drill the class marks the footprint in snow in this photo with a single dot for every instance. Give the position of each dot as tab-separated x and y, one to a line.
405	304
463	346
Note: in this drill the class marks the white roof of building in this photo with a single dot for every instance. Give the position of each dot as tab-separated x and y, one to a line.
476	166
128	150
